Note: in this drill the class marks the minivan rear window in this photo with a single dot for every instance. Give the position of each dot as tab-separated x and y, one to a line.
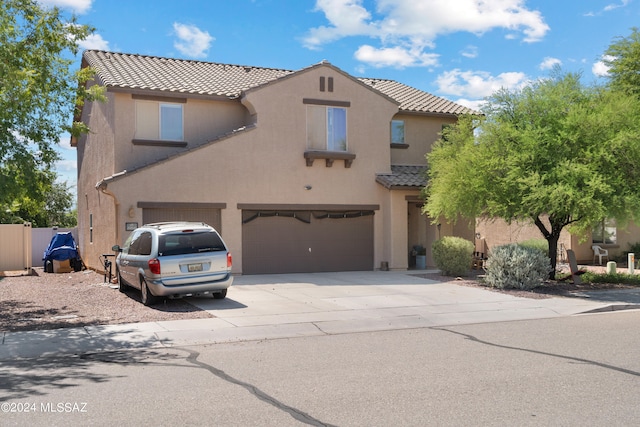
189	243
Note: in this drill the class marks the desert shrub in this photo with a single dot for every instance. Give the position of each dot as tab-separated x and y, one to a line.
517	267
453	255
541	244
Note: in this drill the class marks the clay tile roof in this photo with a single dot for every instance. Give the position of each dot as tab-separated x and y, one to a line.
130	71
177	75
415	100
404	177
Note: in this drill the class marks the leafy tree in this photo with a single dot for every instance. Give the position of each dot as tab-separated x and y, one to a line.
38	97
623	59
556	153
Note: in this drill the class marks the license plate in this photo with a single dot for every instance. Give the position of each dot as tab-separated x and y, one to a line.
194	267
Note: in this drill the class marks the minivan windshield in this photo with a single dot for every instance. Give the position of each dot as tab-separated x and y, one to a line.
189	243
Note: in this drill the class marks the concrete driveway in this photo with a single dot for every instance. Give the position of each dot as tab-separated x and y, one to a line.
294	305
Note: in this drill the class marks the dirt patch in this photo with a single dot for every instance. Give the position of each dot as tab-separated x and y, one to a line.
50	301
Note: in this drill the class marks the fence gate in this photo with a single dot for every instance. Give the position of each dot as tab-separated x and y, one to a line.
15	247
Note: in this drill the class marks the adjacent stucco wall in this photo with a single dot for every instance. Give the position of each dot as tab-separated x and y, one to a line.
420	134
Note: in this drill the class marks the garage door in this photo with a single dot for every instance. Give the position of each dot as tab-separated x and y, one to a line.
207	214
306	241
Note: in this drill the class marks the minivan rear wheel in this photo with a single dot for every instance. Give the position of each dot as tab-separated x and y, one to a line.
147	297
220	295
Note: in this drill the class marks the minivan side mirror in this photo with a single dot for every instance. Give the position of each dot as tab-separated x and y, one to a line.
116	248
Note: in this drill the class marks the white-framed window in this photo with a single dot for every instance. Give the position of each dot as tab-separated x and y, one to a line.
397	131
159	121
326	128
605	232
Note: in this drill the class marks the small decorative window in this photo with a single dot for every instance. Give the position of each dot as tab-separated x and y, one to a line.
397	131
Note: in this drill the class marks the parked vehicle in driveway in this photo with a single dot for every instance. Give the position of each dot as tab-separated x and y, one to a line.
174	260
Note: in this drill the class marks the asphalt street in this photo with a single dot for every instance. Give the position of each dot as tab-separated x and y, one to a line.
577	370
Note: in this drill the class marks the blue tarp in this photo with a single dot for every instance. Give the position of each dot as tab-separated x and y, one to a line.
62	247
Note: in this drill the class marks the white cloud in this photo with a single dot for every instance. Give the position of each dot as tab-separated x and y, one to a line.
613	6
470	52
469	103
548	63
477	84
192	41
94	41
398	57
601	69
77	6
415	25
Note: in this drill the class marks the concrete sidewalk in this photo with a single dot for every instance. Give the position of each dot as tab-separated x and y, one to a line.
296	305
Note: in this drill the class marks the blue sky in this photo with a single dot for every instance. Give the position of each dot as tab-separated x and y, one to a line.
462	50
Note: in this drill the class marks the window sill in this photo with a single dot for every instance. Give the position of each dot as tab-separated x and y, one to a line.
329	157
159	143
403	146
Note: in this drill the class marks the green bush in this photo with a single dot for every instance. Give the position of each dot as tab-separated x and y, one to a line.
453	255
516	267
541	244
619	278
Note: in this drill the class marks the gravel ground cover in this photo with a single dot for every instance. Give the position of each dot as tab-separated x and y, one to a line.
42	301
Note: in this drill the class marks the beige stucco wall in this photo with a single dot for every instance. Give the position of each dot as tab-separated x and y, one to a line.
203	121
266	164
96	211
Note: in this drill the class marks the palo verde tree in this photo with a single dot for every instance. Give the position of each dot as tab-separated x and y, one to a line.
555	153
38	97
623	59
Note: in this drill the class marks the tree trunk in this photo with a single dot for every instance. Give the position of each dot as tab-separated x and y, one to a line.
553	253
552	237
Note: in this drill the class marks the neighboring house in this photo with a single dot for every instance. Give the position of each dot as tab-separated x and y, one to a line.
616	240
300	171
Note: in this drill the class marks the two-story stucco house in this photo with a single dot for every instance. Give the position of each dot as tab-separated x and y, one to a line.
300	171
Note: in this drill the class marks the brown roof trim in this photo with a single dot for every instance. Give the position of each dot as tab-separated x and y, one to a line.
301	207
326	102
180	205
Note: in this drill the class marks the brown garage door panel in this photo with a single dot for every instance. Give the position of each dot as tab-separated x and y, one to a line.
287	245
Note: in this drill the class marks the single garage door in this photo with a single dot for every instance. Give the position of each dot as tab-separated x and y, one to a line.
306	241
207	213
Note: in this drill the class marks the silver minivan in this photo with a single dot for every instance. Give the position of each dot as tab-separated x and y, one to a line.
174	260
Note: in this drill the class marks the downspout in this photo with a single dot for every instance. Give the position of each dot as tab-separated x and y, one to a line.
102	188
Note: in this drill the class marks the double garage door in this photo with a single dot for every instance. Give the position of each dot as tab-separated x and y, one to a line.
286	241
306	241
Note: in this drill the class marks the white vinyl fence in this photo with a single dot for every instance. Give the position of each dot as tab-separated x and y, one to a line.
40	239
22	247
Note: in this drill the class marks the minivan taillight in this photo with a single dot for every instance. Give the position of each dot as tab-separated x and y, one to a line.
229	261
154	265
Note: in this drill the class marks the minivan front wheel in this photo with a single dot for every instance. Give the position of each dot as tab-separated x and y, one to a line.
122	287
147	297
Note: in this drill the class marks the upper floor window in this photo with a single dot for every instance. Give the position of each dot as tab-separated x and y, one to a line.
326	128
397	131
605	232
159	121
